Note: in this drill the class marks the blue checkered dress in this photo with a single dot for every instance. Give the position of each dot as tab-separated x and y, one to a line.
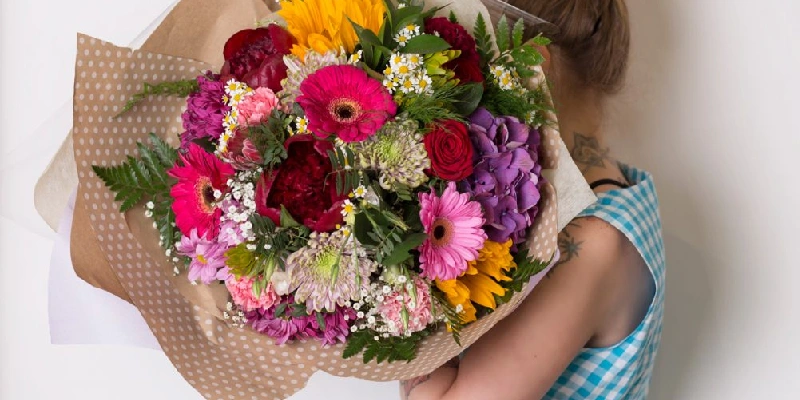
623	371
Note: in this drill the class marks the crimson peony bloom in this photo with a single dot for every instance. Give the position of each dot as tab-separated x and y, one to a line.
255	57
195	205
304	185
467	65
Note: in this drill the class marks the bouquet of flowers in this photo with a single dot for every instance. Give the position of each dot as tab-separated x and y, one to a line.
359	178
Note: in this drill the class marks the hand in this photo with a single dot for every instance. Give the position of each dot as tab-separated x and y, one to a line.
431	386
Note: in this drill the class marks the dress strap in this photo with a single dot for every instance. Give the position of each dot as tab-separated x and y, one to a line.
602	182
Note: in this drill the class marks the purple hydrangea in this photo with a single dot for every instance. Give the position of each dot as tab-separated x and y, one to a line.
205	111
507	176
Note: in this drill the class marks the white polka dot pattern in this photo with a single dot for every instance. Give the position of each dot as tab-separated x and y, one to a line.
219	360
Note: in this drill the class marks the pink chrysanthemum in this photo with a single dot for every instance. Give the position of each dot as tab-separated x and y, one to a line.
453	224
208	258
344	100
416	304
241	291
195	205
257	107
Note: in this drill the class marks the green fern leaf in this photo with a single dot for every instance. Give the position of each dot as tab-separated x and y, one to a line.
503	34
518	33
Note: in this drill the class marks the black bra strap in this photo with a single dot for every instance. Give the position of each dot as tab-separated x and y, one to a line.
602	182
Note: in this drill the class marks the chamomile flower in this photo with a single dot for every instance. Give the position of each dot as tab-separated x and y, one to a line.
360	192
401	39
356	57
348	208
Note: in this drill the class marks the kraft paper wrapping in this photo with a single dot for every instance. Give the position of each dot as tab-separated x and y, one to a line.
120	253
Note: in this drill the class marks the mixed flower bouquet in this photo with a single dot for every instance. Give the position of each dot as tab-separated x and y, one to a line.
361	172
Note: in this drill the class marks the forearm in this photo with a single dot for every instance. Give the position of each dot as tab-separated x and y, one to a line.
433	386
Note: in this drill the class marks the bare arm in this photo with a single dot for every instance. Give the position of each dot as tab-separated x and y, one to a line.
523	355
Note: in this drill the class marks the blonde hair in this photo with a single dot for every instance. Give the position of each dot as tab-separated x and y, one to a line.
593	38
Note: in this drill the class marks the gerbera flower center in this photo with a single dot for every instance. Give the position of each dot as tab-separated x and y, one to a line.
202	259
442	232
345	110
205	193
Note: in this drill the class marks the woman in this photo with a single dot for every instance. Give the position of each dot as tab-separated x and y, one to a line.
591	330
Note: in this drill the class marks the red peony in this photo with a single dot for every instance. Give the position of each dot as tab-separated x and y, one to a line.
450	150
255	57
467	65
304	185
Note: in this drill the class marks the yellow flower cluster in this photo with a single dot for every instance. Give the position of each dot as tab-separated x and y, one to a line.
324	25
480	282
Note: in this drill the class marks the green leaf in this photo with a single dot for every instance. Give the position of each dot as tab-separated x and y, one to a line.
181	88
287	221
518	33
540	40
453	18
484	41
425	44
401	252
469	100
385	349
526	57
321	321
503	34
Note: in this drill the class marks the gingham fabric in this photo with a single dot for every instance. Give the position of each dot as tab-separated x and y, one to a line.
623	371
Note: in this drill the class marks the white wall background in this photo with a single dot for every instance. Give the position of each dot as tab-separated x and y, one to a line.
711	109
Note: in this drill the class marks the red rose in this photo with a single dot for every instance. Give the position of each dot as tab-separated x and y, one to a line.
255	57
450	151
304	185
467	65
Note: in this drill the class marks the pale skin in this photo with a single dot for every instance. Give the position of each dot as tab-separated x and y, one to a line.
597	294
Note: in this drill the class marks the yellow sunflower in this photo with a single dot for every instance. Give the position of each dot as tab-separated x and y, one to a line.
324	25
480	282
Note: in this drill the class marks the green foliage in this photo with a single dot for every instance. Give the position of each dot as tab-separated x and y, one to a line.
425	44
140	178
146	178
375	52
381	231
518	33
503	35
269	138
452	317
526	268
384	349
182	88
452	17
540	40
520	104
273	245
402	252
484	41
347	178
448	101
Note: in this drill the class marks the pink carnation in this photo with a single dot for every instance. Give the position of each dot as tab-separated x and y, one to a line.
256	108
419	311
242	294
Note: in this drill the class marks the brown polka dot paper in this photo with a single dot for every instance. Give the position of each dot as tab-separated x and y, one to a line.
221	361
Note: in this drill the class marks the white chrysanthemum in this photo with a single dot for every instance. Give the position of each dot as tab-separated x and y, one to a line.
298	70
398	153
330	271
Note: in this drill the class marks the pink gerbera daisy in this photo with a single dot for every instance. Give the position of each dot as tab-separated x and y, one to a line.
200	179
344	100
453	224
